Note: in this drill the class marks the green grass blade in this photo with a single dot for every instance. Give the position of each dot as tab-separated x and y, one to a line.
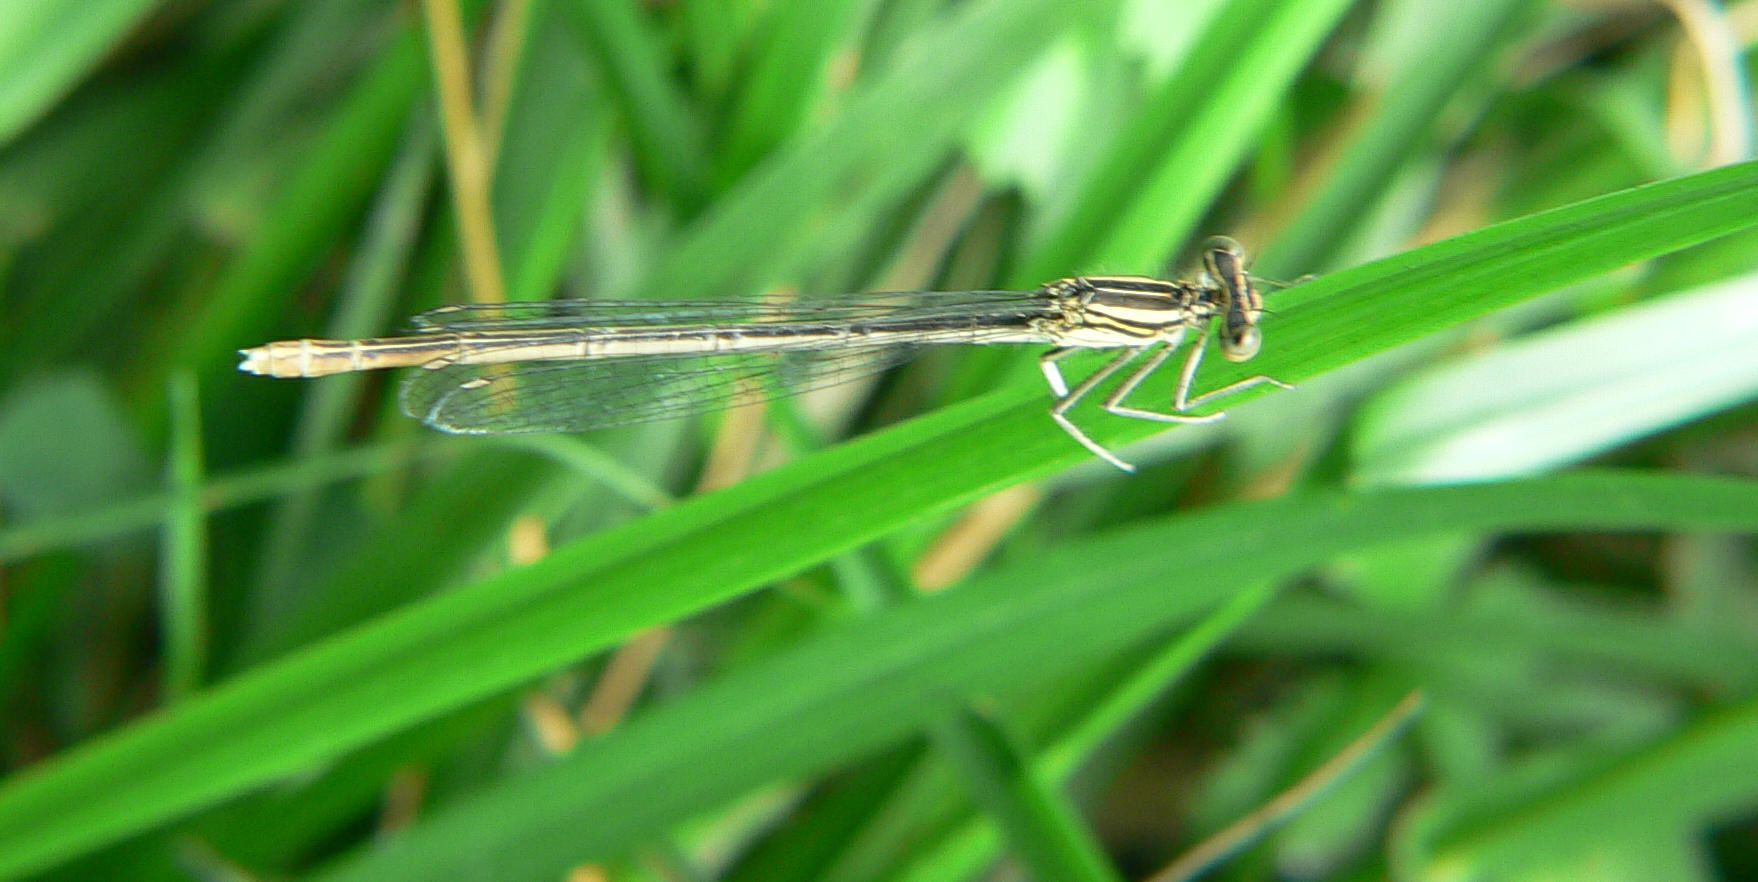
791	71
1402	122
49	533
893	131
1699	773
180	144
47	45
809	848
183	557
551	154
1164	171
1467	276
1584	388
1043	829
863	684
420	550
975	842
666	132
1692	657
44	420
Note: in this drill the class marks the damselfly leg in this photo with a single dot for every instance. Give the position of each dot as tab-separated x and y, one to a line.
1067	398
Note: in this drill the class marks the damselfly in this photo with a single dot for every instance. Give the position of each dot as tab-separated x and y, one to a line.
573	365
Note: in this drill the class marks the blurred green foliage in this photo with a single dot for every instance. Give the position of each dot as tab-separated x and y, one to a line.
274	629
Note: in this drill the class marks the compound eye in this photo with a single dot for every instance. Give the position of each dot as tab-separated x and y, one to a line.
1242	344
1222	243
1223	261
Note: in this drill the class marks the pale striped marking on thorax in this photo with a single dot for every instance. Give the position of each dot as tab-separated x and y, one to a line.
1136	306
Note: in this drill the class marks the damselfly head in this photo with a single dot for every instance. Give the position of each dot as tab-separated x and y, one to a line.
1224	264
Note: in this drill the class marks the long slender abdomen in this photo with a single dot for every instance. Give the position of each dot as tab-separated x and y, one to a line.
318	358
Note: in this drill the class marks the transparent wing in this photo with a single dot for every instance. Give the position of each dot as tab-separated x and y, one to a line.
576	396
547	314
583	394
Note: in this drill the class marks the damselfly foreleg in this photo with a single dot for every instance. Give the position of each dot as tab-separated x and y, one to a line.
1181	400
1226	390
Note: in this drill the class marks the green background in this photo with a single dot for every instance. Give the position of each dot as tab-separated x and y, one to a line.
253	628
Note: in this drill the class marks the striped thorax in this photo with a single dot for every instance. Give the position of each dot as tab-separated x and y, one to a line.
1109	311
1102	312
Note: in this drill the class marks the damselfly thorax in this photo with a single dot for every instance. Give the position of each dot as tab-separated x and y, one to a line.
574	365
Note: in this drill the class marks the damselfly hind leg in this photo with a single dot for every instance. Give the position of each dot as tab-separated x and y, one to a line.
1052	373
1067	398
